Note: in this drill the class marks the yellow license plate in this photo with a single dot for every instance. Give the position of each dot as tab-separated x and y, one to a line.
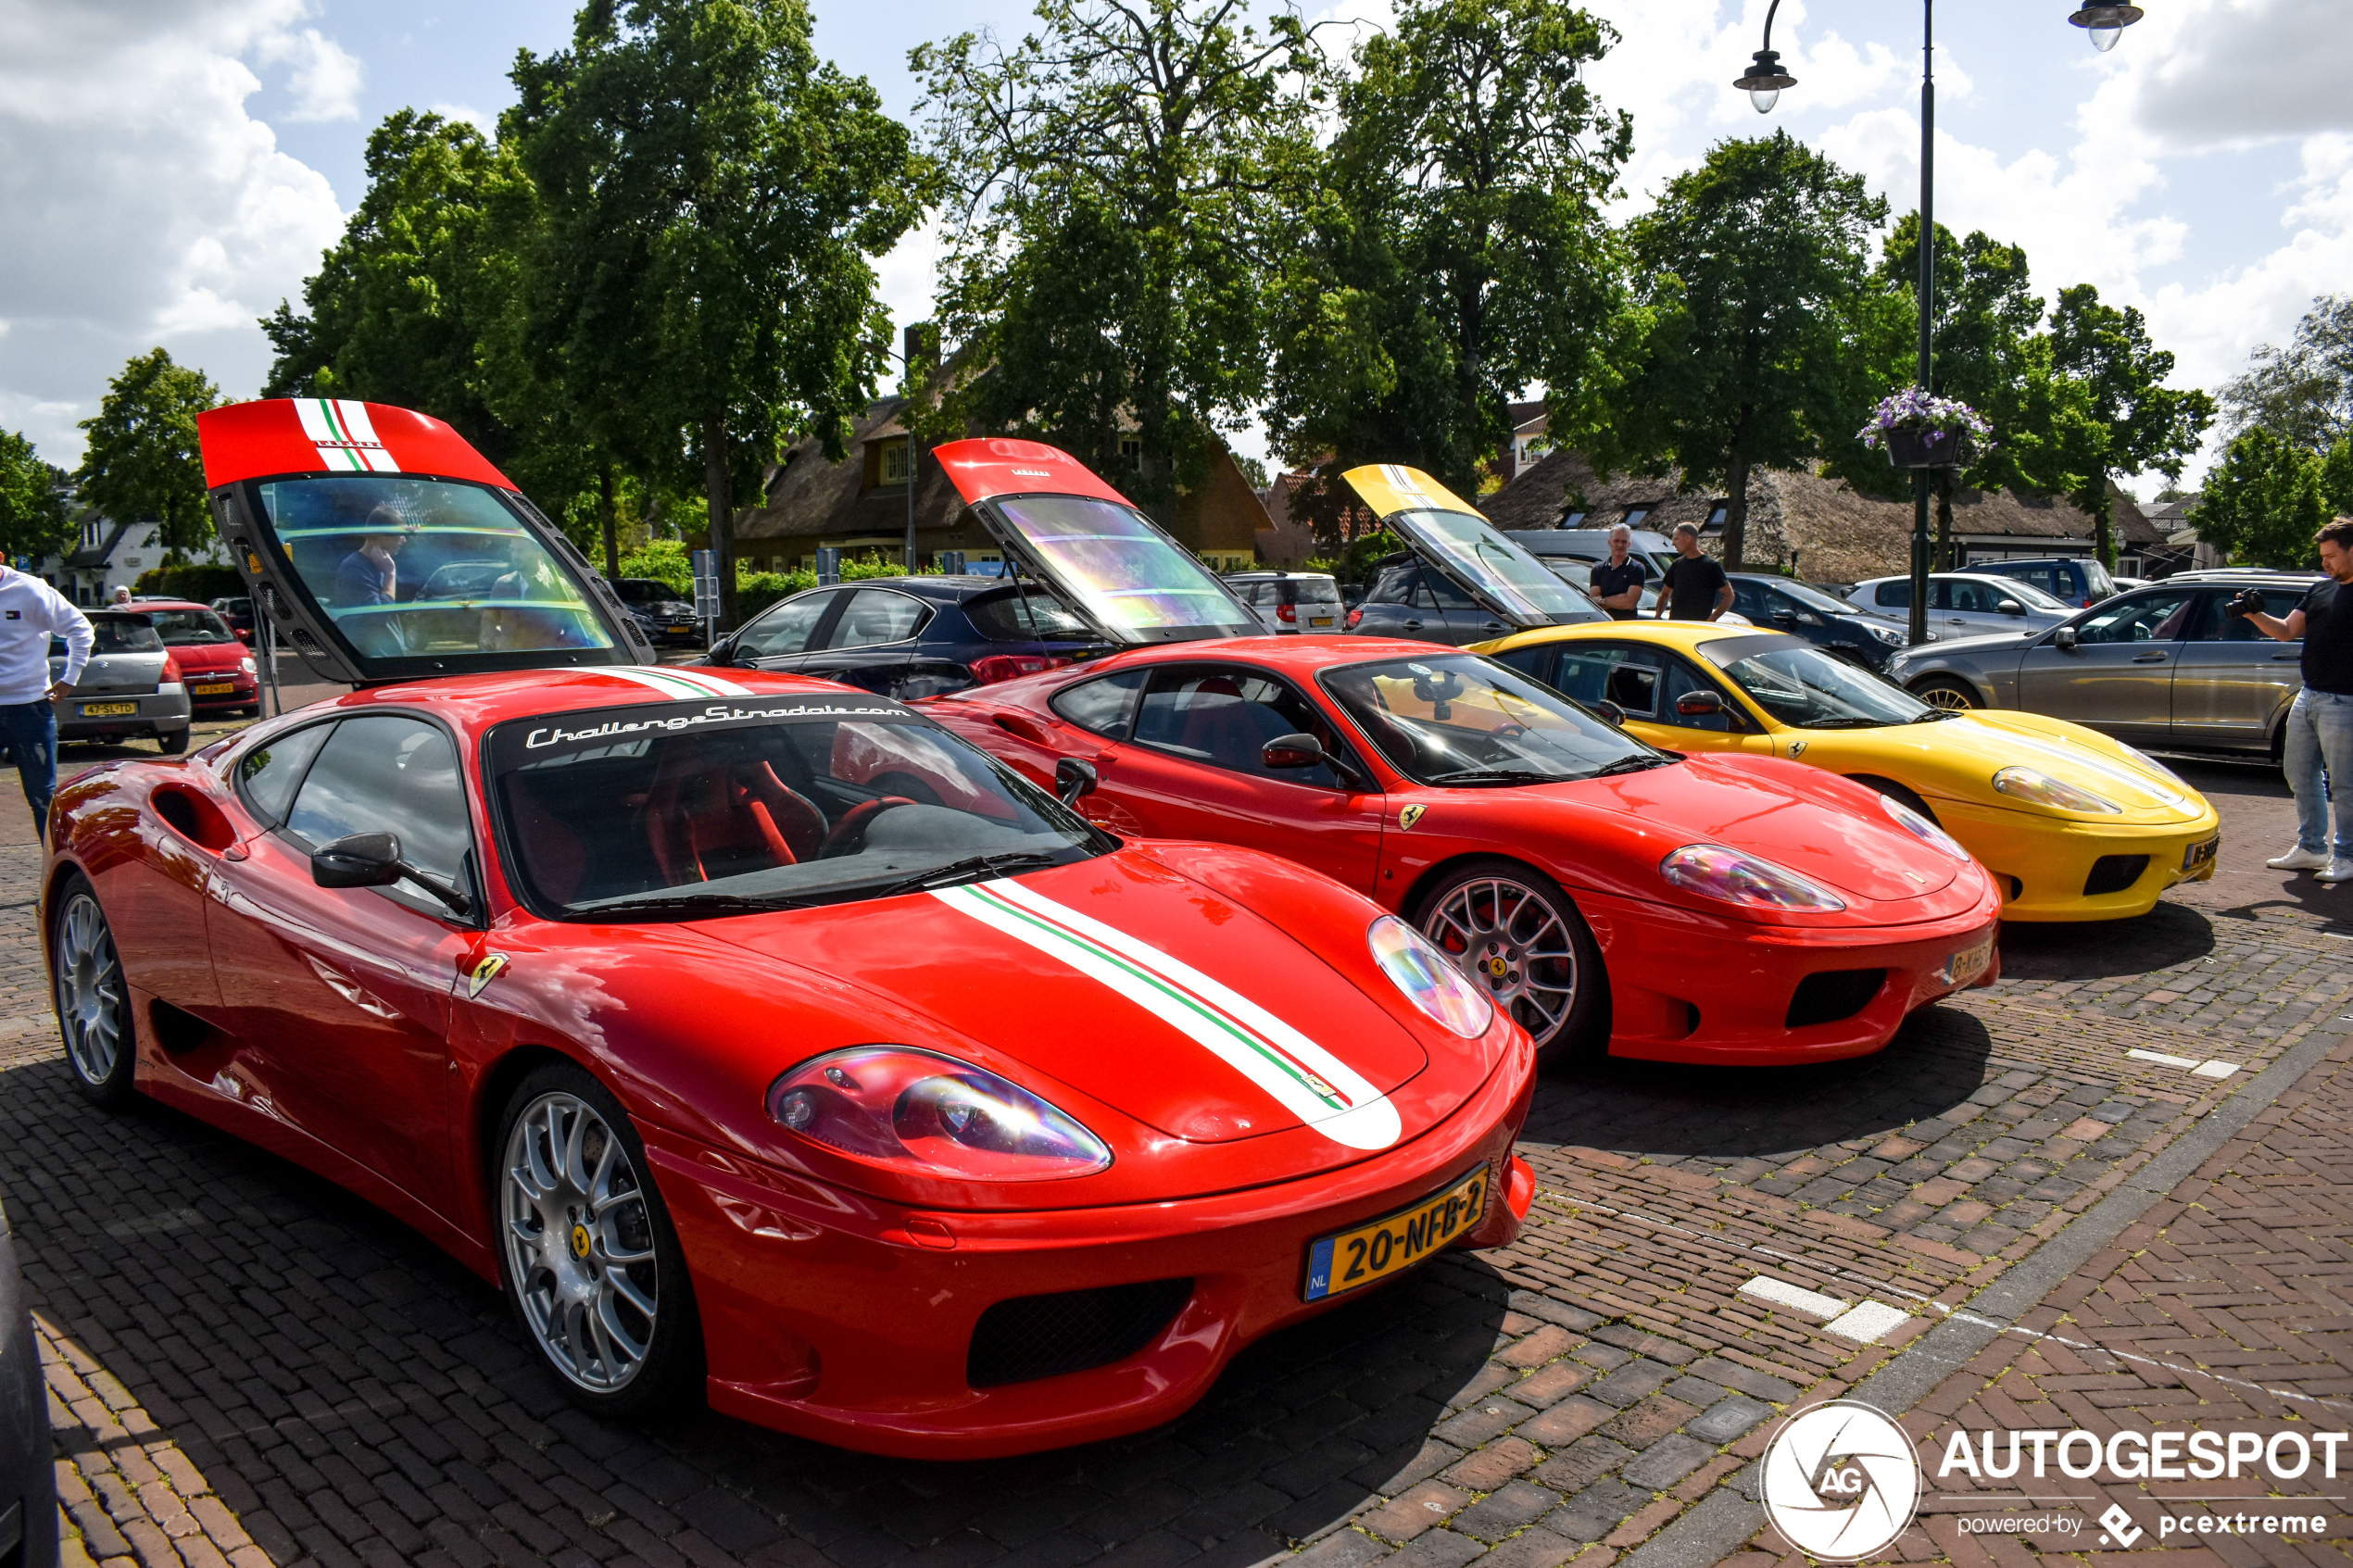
1358	1256
2201	854
1319	621
107	709
1970	962
218	688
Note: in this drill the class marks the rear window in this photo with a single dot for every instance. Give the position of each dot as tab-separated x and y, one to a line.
1024	615
1311	590
119	634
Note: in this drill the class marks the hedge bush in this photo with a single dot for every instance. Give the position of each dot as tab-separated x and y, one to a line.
202	584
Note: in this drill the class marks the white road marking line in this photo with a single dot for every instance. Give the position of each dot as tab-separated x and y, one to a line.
1780	1292
2162	1060
1868	1324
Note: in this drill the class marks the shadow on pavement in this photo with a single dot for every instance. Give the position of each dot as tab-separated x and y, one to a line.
2168	935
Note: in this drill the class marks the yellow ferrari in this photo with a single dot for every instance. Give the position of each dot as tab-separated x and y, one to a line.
2074	826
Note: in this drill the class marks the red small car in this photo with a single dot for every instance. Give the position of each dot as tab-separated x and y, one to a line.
1613	896
761	1038
214	662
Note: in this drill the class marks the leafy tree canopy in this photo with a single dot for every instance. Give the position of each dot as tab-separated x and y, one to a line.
33	520
2263	502
2121	373
2305	390
1456	251
142	464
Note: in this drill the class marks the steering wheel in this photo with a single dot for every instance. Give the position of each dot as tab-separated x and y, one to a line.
848	832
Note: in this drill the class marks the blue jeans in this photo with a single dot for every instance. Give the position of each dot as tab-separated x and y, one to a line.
30	731
2319	763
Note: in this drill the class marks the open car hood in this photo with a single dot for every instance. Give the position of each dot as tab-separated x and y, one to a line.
381	546
1449	537
1096	550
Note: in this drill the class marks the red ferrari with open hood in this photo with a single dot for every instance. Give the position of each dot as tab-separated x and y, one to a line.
757	1036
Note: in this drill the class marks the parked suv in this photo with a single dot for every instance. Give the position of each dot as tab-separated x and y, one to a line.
2080	584
1290	602
2161	666
131	685
1964	604
660	613
911	637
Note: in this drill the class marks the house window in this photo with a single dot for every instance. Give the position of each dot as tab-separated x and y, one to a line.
894	461
1634	516
1716	515
1131	451
1572	520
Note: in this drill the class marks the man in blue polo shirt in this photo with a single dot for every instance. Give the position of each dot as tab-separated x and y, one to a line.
1618	581
32	612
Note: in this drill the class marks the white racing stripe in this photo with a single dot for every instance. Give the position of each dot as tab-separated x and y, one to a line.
671	682
343	437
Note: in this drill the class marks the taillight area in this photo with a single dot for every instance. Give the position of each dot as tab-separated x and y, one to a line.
1354	617
1007	666
172	676
1286	614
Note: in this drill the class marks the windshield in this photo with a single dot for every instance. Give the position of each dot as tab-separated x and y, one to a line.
1455	719
408	568
696	809
190	628
1813	598
645	590
1124	573
1802	686
1471	549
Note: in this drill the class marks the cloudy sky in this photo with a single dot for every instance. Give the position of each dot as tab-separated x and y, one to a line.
170	168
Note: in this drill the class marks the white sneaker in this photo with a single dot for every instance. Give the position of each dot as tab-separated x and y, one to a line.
2339	870
2298	860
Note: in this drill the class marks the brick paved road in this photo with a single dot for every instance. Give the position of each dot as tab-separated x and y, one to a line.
250	1365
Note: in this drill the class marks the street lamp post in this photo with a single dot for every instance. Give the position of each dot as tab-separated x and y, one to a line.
1763	84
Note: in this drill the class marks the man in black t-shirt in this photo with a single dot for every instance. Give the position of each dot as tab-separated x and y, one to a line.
2319	754
1618	581
1694	587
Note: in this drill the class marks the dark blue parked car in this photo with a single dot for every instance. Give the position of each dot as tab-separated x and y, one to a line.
27	1485
911	637
1780	604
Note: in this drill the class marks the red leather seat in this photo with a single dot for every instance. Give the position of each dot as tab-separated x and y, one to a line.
705	822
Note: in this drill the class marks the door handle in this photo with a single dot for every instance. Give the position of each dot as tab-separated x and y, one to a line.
2148	658
2287	658
1495	626
1413	625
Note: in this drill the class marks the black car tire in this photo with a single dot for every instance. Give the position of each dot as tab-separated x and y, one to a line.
670	1372
91	998
1580	1032
1946	691
172	744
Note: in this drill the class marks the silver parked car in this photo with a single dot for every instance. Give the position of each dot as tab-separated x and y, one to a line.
2160	666
130	687
1964	604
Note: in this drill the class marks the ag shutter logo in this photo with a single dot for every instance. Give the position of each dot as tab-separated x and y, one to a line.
1841	1481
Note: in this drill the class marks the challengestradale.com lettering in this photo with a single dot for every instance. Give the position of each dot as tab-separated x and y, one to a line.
717	713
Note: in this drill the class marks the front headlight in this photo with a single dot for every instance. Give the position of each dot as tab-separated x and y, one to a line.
1418	967
1714	872
2026	783
1920	827
246	665
1889	635
904	1109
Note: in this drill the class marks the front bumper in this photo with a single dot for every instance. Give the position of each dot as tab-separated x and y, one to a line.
160	713
1688	986
848	1320
2042	863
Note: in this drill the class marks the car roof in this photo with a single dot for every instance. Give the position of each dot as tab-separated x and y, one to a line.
1684	634
952	590
164	603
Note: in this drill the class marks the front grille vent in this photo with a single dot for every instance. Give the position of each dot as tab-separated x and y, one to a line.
1033	1337
1833	995
2114	873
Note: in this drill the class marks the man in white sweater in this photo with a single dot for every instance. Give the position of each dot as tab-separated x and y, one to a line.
30	613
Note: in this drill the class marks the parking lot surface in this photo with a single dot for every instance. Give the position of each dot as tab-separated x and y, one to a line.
248	1365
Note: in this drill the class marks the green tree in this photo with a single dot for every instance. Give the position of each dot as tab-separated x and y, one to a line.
711	193
2305	390
142	464
2263	502
1456	251
1757	265
1114	186
33	520
2336	477
2108	354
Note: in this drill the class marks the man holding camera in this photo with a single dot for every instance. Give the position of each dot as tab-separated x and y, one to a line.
2319	756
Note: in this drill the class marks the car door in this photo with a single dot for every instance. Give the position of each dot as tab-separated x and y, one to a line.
782	637
1400	604
1192	767
871	641
2118	677
2232	683
1645	683
344	994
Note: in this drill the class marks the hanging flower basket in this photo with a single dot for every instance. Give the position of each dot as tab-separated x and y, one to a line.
1919	430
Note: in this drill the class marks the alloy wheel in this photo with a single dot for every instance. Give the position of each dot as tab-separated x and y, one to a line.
89	990
1508	938
1951	698
579	1243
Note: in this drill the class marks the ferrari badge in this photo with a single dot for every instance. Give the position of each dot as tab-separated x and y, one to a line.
1797	748
1408	815
486	971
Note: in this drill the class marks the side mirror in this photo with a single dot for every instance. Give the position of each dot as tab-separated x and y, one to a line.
364	860
2010	606
1699	705
1293	751
1074	779
1784	617
723	651
1610	712
246	638
2064	638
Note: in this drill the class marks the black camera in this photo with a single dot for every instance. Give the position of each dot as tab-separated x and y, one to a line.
2250	601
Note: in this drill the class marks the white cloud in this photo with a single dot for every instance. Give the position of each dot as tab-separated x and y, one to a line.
486	124
325	80
146	205
2212	73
